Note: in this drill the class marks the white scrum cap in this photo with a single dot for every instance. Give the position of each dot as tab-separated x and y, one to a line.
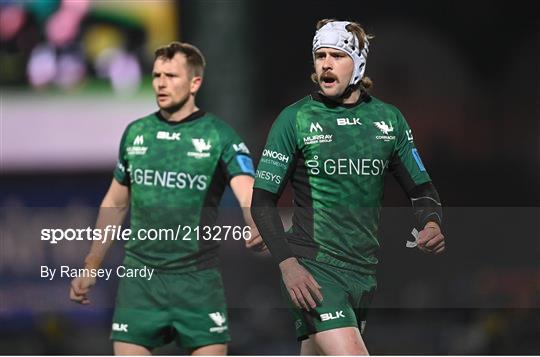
335	35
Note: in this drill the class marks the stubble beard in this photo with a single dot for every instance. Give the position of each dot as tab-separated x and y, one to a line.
174	107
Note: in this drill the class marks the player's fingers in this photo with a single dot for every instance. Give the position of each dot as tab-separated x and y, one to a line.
76	297
421	242
301	299
314	288
258	248
80	291
263	250
314	282
440	244
308	298
434	241
294	299
258	242
254	241
76	286
249	243
440	248
426	235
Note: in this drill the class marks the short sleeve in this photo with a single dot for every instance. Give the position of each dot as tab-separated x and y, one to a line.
121	173
279	154
235	155
406	164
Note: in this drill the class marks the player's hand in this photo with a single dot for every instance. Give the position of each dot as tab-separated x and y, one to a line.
79	289
256	242
430	239
302	287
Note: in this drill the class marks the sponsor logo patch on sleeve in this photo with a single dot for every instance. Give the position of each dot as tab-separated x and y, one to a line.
416	156
245	163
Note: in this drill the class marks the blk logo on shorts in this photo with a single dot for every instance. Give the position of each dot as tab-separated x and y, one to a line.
332	316
119	327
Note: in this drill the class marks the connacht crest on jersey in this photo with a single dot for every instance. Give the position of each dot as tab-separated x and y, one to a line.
200	145
382	126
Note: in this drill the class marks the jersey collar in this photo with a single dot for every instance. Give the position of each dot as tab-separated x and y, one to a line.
193	116
317	96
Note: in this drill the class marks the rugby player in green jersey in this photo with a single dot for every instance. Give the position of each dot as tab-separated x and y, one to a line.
172	170
335	147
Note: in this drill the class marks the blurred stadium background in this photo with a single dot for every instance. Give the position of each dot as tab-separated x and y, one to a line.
465	74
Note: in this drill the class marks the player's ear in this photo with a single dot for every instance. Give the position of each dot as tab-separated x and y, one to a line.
196	82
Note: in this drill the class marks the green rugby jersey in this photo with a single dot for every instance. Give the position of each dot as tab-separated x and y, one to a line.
336	157
177	172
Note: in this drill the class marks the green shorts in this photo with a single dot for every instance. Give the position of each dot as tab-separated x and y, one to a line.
189	308
346	298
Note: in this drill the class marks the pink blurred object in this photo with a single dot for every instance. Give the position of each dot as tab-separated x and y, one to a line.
80	6
63	25
12	18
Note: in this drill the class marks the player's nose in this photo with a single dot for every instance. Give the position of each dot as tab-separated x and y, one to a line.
328	62
161	81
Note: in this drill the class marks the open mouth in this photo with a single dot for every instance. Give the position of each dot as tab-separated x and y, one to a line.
328	79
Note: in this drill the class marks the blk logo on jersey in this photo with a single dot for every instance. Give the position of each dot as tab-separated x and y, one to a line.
348	121
201	148
165	135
